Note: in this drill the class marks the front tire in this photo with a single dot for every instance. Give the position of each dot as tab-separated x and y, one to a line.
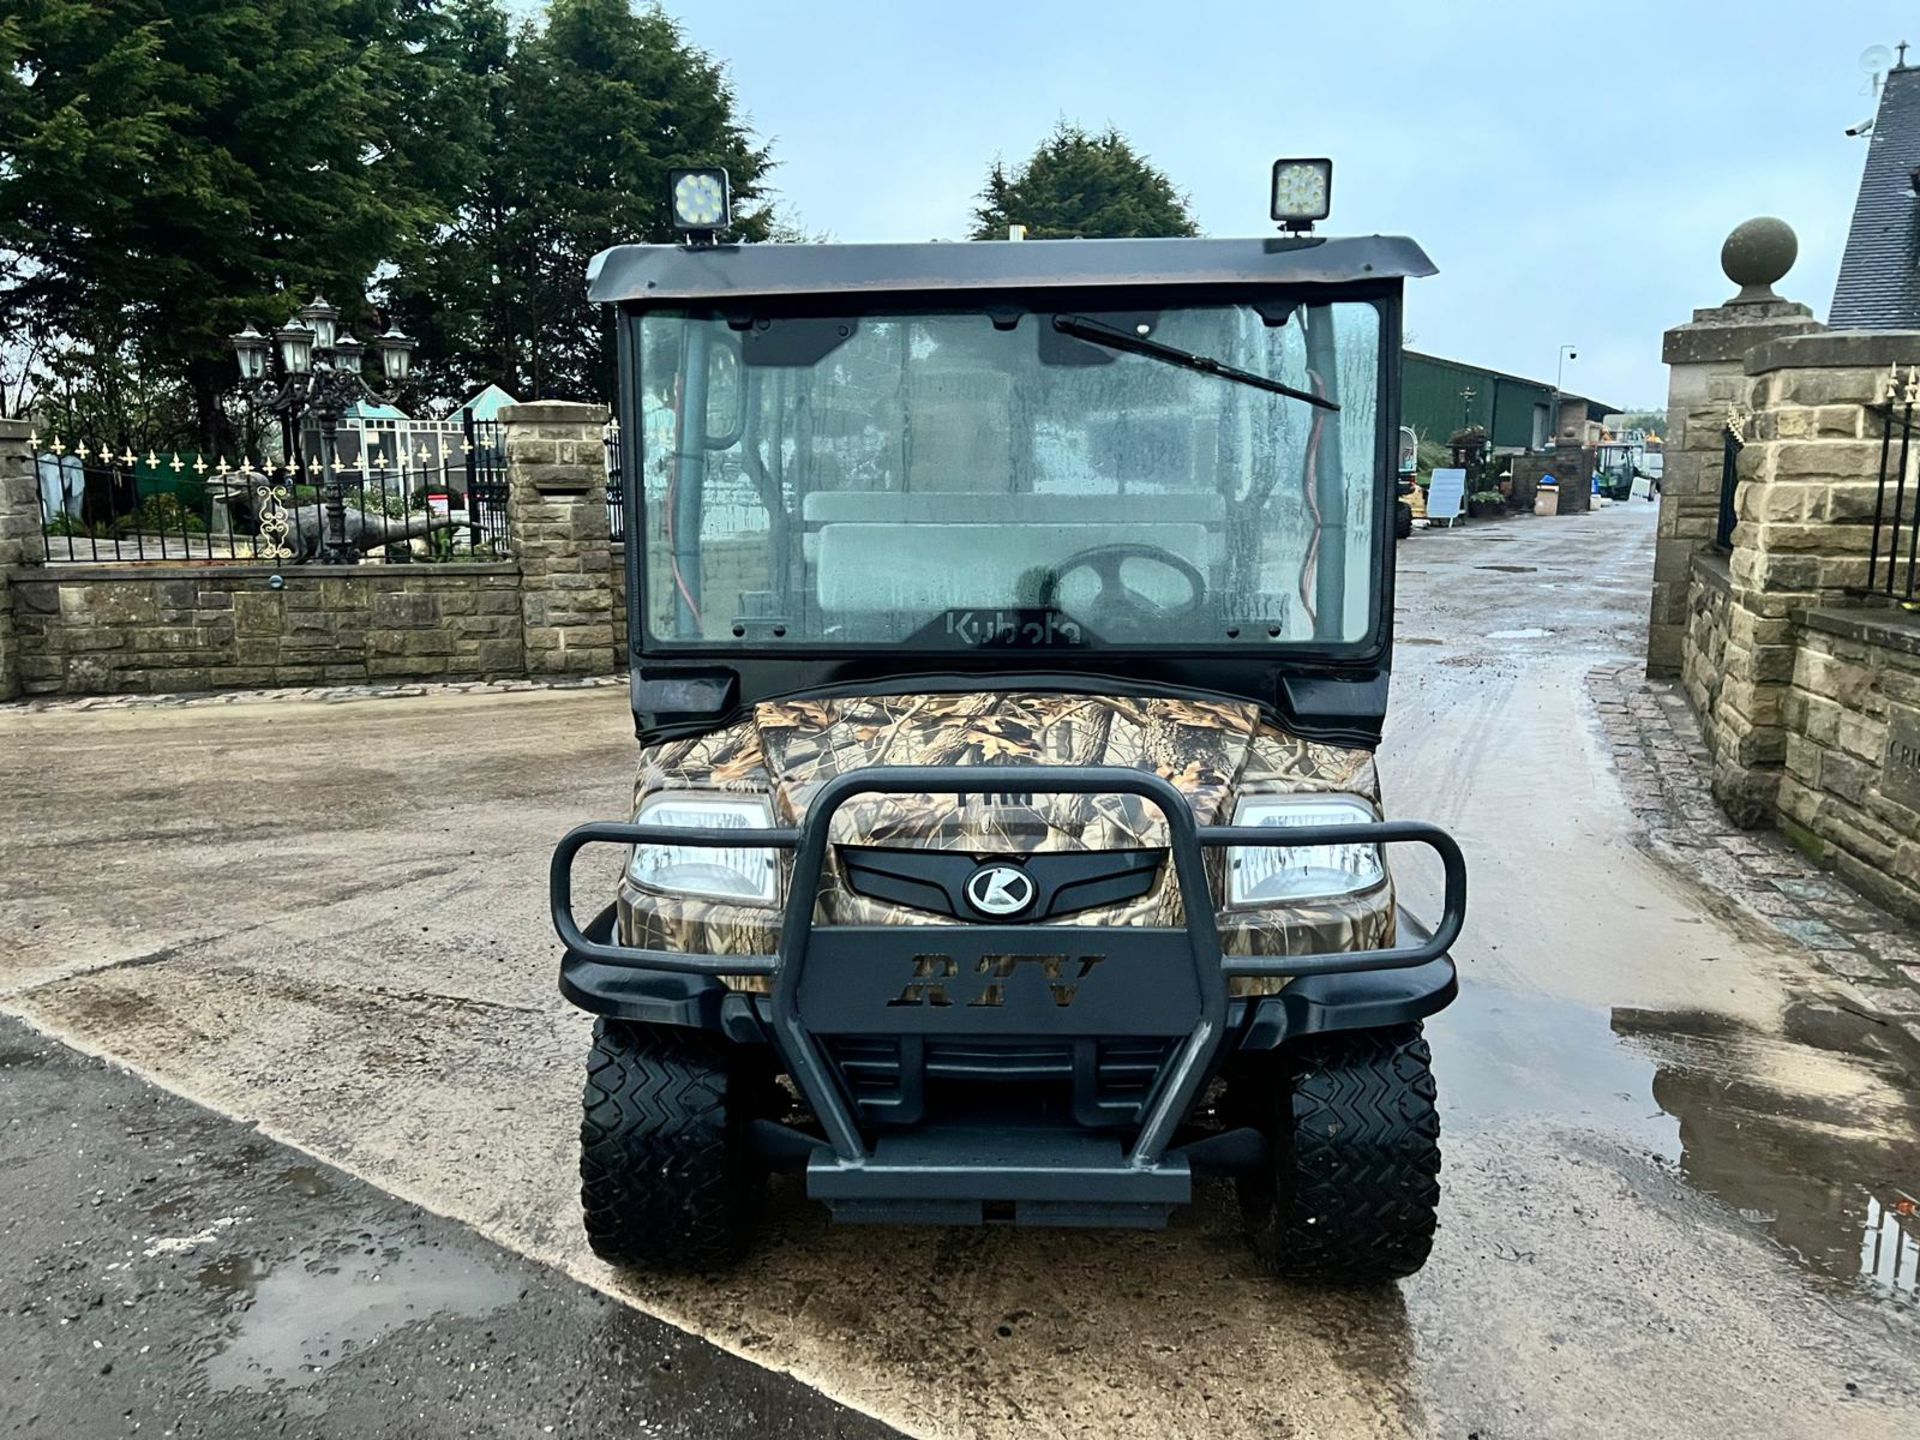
668	1177
1351	1190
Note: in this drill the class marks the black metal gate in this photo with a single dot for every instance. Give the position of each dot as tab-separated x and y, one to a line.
1730	448
1886	572
486	485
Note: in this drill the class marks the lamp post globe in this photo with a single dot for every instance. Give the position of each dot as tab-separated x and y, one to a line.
250	349
396	354
296	347
348	354
320	317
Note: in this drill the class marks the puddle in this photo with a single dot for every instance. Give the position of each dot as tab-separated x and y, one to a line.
308	1180
290	1321
1500	1053
1532	633
1811	1136
1510	569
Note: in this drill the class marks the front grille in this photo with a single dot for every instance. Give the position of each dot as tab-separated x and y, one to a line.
896	1078
1060	882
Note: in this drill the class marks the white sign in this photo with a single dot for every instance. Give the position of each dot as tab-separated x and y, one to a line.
1445	494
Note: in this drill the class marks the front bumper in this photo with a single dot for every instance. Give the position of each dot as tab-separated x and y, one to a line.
1069	990
1310	1005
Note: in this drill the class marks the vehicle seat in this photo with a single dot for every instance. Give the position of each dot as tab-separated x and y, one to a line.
876	553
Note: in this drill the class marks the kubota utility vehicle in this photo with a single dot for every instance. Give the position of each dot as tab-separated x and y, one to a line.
1010	629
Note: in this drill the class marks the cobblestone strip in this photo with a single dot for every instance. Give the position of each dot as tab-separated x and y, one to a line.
1663	766
327	694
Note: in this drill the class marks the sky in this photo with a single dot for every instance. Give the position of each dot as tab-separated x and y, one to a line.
1572	168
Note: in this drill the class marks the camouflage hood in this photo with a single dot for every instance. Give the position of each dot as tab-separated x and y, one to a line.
1210	751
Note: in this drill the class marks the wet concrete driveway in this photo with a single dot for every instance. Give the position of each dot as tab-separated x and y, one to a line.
1680	1176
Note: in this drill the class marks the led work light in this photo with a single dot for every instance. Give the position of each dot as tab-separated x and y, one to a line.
700	199
1302	192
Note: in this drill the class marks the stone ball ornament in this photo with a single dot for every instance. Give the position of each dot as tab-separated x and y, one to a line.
1757	253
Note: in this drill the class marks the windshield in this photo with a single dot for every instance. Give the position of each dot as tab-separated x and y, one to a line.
1201	475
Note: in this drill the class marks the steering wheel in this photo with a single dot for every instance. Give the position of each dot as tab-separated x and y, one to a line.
1118	607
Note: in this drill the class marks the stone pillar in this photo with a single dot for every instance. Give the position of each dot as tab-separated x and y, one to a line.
1573	464
557	511
19	538
1706	375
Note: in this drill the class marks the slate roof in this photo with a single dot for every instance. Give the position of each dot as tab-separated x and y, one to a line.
1879	284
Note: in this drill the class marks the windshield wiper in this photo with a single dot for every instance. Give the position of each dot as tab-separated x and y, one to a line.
1081	328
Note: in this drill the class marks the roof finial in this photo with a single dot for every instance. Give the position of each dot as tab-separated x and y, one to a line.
1900	61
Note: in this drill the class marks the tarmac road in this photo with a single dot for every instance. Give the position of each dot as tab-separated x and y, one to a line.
1674	1166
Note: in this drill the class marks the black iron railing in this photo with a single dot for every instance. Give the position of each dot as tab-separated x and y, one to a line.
1894	559
438	495
1730	447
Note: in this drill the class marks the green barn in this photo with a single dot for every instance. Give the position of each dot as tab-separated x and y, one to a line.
1438	397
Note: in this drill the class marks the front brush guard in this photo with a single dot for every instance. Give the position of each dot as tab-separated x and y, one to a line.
859	979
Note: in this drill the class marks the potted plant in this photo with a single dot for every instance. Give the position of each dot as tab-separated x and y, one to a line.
1484	502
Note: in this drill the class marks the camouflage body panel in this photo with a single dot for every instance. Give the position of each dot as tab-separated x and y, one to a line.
1212	752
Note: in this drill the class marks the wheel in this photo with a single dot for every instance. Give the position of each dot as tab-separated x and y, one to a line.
1402	519
668	1179
1350	1192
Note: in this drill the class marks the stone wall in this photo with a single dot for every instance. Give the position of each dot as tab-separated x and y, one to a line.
1850	795
110	628
19	539
1808	691
1807	476
1569	467
1709	607
88	630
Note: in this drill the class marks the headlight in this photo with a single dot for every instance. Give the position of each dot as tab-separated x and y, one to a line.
722	872
1272	875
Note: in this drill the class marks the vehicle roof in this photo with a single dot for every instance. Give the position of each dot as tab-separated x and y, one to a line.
653	273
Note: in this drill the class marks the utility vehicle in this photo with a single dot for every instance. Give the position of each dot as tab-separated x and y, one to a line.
1010	629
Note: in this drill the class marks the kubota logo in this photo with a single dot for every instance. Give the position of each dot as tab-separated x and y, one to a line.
1000	890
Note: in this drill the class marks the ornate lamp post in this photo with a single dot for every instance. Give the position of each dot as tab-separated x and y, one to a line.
319	371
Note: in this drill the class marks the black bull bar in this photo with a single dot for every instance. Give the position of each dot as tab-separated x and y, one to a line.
853	979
